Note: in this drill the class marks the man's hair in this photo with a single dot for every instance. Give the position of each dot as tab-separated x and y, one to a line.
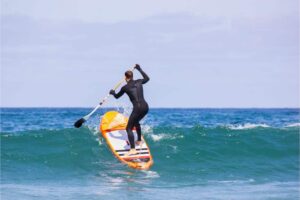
129	74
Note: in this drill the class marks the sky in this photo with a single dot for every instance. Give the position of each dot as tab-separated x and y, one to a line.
70	53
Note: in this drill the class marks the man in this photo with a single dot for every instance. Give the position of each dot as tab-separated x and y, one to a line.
134	89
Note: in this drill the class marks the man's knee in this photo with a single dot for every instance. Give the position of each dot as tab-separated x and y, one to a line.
129	127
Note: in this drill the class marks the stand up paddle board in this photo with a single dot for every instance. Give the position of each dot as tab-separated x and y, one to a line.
113	129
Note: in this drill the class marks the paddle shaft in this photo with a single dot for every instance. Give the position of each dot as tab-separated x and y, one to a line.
105	98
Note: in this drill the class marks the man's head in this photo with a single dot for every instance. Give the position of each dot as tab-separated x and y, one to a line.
128	76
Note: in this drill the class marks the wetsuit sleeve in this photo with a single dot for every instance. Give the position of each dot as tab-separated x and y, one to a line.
145	77
120	93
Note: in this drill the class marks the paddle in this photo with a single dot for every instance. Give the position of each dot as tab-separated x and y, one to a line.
79	122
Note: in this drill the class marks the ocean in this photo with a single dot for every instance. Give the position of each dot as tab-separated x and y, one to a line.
198	154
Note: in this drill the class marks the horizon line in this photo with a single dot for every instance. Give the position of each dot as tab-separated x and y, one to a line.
84	107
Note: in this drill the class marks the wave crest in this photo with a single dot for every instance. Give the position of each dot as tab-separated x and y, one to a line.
247	126
293	125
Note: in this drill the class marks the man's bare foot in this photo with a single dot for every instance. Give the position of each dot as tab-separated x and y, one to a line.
139	143
131	152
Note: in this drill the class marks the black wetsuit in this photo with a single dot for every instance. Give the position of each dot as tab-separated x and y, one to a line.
134	89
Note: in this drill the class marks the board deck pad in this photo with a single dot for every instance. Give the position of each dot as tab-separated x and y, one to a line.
120	143
112	127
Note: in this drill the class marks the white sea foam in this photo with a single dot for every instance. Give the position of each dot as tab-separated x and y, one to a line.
247	126
151	174
164	136
293	125
158	137
146	129
99	140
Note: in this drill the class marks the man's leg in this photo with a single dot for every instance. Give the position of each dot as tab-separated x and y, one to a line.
138	131
138	126
130	135
129	127
129	131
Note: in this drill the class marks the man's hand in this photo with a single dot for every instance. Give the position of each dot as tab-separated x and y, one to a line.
112	92
138	67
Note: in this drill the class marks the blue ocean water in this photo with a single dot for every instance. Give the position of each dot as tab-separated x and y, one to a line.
198	154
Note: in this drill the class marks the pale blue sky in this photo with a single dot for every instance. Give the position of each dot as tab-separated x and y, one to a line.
197	53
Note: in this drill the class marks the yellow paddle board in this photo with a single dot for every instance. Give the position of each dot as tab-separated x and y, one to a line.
113	129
